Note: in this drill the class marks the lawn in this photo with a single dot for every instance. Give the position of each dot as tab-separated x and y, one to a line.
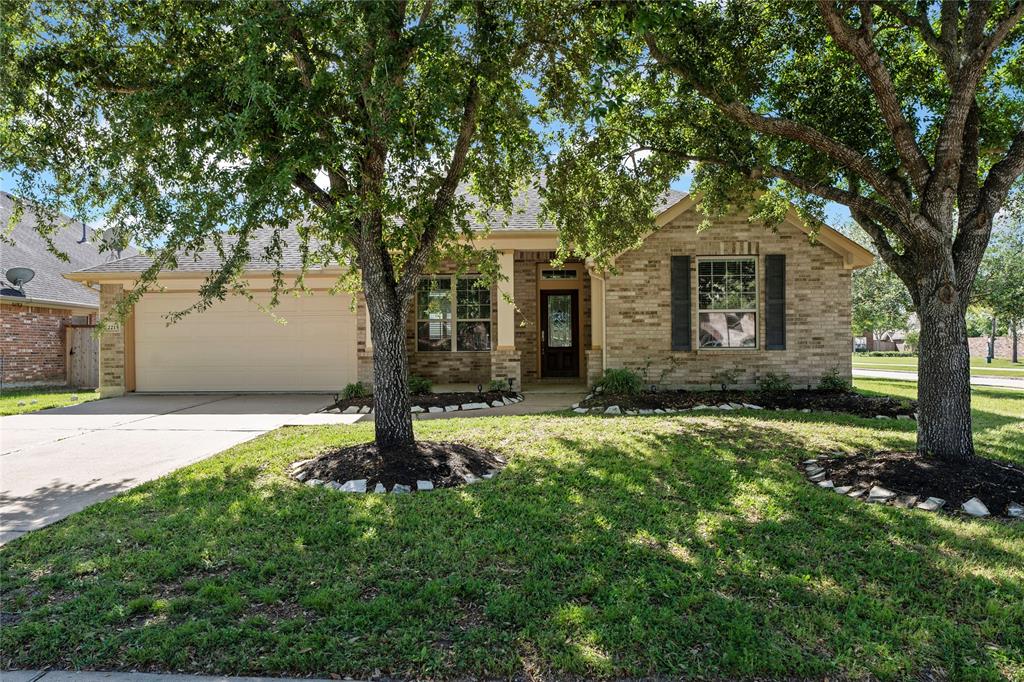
979	368
35	398
610	546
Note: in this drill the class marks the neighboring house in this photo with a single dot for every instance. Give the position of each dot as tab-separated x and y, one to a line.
35	318
681	306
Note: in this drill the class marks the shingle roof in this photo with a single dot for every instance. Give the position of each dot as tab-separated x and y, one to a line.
526	208
29	250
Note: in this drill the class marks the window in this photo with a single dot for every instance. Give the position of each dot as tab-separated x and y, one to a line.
727	302
435	302
559	274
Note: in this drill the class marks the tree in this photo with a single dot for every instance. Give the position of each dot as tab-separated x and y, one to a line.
879	299
909	113
1000	286
358	122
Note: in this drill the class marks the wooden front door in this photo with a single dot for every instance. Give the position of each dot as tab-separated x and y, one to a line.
559	333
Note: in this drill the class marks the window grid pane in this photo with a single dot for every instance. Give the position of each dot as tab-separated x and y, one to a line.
727	303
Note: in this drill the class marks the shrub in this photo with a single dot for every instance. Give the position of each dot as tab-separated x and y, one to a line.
833	382
356	390
913	337
420	385
774	382
621	382
725	377
497	385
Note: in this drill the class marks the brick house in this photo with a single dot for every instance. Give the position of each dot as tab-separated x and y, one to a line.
35	318
680	306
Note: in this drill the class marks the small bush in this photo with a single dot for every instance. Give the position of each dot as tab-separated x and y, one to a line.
420	385
772	382
621	382
497	385
833	382
725	377
356	390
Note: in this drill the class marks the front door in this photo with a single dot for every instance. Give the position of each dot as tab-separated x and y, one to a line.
559	338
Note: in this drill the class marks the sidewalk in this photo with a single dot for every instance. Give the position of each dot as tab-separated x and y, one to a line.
85	676
998	382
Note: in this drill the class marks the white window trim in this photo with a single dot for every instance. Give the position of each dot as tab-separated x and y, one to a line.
455	319
756	309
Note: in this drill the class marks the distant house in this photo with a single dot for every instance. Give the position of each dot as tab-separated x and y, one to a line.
35	317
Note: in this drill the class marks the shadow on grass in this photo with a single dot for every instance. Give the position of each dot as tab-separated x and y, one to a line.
641	546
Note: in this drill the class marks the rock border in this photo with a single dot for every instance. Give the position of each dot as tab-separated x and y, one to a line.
879	495
360	485
435	409
615	409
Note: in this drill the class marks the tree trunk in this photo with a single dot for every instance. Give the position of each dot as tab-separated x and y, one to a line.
944	370
869	339
391	407
1013	333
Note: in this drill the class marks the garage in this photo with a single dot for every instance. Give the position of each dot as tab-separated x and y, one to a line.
309	344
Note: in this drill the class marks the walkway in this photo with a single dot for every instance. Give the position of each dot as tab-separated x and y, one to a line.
1000	382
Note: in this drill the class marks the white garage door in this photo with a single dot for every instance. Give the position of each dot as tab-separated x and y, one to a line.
235	346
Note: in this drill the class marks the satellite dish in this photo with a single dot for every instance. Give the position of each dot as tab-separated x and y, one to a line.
19	276
108	238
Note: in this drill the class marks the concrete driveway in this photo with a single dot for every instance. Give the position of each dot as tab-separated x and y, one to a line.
56	462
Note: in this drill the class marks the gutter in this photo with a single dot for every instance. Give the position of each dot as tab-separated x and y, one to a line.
52	303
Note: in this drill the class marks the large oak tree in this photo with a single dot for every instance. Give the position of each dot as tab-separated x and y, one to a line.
909	113
191	123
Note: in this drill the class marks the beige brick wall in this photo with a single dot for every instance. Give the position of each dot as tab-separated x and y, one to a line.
111	345
638	306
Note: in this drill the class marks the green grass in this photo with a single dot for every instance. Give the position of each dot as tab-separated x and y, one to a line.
625	546
40	398
979	368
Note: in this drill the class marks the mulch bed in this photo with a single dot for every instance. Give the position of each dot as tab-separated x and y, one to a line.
849	402
428	400
446	465
909	474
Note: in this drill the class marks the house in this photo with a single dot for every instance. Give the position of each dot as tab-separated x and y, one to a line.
681	305
36	316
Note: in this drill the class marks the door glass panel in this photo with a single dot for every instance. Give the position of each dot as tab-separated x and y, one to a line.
559	321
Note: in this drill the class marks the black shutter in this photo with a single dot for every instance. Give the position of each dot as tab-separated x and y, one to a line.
681	303
775	302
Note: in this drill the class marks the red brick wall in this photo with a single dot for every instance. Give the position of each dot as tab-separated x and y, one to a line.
33	343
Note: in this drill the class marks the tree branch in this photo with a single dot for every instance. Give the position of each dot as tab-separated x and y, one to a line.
859	44
445	193
792	130
920	23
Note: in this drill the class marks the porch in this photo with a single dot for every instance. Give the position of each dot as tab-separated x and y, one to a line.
540	325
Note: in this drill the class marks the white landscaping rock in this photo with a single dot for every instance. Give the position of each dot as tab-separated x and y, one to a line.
856	493
702	407
416	409
451	408
491	473
400	489
975	507
424	485
809	461
752	407
475	406
581	410
724	407
314	482
1014	510
364	409
806	410
658	410
736	406
497	403
842	489
647	411
470	479
435	409
820	476
904	416
354	486
932	504
613	409
507	400
379	488
880	494
880	416
351	409
827	484
301	476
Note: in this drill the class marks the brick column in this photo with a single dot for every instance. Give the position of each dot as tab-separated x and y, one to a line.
506	361
595	354
111	344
